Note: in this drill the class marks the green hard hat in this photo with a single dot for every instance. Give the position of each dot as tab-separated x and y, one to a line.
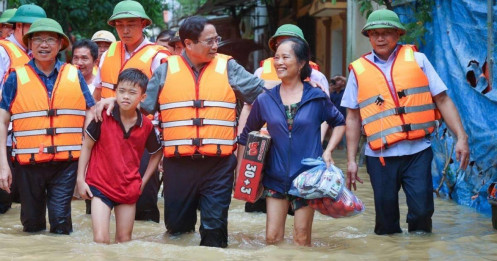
46	25
285	30
27	14
6	15
128	9
383	19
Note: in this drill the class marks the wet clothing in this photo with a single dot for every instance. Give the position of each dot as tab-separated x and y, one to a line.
204	183
198	182
295	202
97	193
47	185
115	157
288	148
146	206
413	174
407	162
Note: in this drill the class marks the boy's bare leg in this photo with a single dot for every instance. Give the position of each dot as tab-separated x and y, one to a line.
302	227
125	219
100	218
275	220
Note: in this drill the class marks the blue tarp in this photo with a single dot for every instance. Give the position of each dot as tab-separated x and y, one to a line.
457	35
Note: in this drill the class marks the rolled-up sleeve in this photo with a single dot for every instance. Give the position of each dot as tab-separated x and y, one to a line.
245	85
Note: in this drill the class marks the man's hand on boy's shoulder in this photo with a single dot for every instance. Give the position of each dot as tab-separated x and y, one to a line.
103	104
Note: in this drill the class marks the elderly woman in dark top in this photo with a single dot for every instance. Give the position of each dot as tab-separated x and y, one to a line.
293	111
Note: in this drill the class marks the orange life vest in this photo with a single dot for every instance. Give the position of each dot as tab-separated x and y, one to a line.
47	129
114	64
389	117
198	116
16	55
269	73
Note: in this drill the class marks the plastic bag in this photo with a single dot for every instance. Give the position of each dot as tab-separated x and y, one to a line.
324	188
318	182
345	205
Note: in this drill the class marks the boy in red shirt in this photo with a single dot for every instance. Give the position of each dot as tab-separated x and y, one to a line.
110	159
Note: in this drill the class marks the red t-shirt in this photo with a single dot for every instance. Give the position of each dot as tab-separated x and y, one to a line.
115	157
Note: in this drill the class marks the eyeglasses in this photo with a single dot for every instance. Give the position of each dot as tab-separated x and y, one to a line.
48	40
211	41
387	33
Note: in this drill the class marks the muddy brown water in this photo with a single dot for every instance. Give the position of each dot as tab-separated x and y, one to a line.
459	233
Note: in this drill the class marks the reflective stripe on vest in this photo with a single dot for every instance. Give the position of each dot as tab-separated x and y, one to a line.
50	131
268	71
197	122
50	150
197	104
200	117
406	111
47	128
32	114
198	142
114	64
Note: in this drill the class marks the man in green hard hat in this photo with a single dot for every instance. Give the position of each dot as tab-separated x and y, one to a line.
132	51
6	28
395	97
46	100
13	53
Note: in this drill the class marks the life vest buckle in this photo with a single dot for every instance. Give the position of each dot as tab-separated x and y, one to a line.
51	149
198	103
406	127
400	110
198	122
401	94
379	101
197	142
51	112
50	131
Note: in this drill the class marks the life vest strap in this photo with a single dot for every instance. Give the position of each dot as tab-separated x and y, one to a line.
48	131
197	104
198	142
375	99
402	128
398	111
49	149
412	91
197	122
51	112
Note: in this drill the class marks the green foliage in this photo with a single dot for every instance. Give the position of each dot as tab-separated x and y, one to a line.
416	29
82	18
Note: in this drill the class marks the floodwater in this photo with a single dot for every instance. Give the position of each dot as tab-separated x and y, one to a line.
459	233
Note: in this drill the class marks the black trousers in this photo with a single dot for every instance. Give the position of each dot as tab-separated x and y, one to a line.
205	184
413	174
146	206
46	185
